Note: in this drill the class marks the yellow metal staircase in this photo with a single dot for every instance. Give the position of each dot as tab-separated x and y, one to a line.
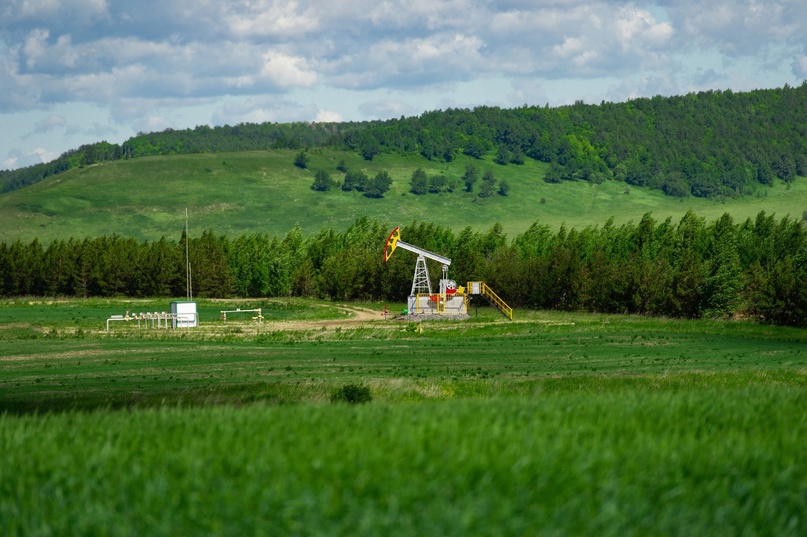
481	288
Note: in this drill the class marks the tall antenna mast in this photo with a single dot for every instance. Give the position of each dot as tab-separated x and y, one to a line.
188	288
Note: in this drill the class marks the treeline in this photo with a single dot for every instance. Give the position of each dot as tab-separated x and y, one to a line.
689	269
75	158
242	137
708	144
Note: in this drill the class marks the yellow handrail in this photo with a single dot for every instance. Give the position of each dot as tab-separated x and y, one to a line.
492	297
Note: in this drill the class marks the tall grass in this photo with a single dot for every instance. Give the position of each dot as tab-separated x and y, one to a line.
562	424
692	462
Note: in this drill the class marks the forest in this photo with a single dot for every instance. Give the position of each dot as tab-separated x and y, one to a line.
710	144
686	269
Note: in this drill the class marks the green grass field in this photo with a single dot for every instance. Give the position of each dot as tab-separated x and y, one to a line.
237	193
554	424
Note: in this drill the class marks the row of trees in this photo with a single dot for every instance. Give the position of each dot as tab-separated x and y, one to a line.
371	187
690	268
421	183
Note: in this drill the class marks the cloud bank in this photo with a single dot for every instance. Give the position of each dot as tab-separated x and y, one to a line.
159	63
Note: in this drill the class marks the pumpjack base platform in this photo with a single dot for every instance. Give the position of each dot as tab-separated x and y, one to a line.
433	317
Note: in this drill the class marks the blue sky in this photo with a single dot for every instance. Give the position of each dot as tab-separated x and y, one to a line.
82	71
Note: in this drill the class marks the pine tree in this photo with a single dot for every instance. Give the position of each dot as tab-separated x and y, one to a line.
419	182
322	181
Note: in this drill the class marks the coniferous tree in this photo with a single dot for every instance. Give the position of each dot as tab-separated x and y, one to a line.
354	180
488	185
378	185
470	177
437	184
210	272
723	280
419	182
503	156
322	181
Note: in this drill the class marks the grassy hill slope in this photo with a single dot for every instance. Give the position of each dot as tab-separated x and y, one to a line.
261	191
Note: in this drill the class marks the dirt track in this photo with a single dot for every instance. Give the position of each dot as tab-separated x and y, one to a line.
359	316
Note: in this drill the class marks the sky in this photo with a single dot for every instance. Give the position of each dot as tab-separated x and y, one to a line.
74	72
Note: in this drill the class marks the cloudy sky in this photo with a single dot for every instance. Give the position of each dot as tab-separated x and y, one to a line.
81	71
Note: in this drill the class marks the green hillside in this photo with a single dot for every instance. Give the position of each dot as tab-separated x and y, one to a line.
708	145
262	191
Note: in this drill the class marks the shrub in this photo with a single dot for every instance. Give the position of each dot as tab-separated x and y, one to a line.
352	393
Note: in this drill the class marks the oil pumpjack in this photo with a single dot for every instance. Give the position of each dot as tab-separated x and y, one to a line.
451	301
422	300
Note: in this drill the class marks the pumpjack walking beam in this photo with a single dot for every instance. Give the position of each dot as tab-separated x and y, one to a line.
394	240
420	282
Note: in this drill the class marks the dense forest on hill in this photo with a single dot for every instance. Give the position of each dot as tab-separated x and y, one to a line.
691	268
707	144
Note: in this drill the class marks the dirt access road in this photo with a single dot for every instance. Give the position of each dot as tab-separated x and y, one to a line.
355	317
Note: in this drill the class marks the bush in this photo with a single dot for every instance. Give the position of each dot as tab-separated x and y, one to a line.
301	160
504	188
352	393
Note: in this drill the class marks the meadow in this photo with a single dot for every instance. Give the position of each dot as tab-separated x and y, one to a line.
262	191
555	423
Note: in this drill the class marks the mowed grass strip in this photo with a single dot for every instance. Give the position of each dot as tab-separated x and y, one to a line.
689	462
481	359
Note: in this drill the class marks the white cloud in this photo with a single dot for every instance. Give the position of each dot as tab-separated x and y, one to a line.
409	63
153	123
287	71
261	110
738	27
638	27
577	40
388	108
271	19
18	159
99	131
214	48
326	116
24	14
43	154
527	92
49	123
800	66
11	161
